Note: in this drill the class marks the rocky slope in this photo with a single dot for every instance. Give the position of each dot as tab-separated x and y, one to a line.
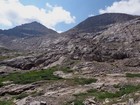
101	22
95	63
119	41
28	30
20	37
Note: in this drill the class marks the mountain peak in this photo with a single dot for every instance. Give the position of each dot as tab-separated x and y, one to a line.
99	22
33	23
29	29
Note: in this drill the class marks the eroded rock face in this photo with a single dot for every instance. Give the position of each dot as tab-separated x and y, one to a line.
14	89
134	62
19	62
29	62
5	70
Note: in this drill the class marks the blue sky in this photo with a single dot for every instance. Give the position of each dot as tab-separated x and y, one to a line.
60	15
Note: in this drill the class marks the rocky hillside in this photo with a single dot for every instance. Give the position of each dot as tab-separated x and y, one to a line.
28	30
119	41
101	22
25	36
95	63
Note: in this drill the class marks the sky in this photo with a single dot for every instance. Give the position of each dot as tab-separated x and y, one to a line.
60	15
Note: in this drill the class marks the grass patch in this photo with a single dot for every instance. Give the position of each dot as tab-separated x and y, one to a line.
8	57
78	102
65	69
21	96
83	81
101	95
4	57
130	75
1	84
6	103
75	102
34	94
31	76
127	89
116	86
92	91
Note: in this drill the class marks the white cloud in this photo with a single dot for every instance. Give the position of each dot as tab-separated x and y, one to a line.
13	13
49	6
90	15
59	31
123	6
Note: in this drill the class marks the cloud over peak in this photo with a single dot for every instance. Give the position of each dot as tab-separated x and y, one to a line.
13	13
123	6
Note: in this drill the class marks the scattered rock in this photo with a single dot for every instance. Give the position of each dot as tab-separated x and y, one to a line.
35	103
90	101
61	74
14	89
107	100
131	101
21	102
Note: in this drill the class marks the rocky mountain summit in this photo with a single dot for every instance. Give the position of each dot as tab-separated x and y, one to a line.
100	22
28	30
20	37
95	63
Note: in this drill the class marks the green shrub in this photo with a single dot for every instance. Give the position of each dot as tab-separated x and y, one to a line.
127	89
116	86
1	84
65	69
130	75
40	93
103	95
4	57
21	96
6	103
92	91
31	76
83	81
78	102
75	102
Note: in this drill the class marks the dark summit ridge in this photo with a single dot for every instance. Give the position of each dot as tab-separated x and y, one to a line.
29	29
100	22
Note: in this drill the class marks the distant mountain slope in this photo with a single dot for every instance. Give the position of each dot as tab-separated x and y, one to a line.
29	29
118	41
99	22
26	35
41	38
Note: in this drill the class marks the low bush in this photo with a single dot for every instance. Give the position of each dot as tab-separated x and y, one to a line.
1	84
31	76
100	95
83	81
6	103
130	75
21	96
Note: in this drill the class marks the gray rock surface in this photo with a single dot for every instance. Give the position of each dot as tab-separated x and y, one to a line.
14	89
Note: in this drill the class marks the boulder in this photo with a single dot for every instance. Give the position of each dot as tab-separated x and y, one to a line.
90	101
